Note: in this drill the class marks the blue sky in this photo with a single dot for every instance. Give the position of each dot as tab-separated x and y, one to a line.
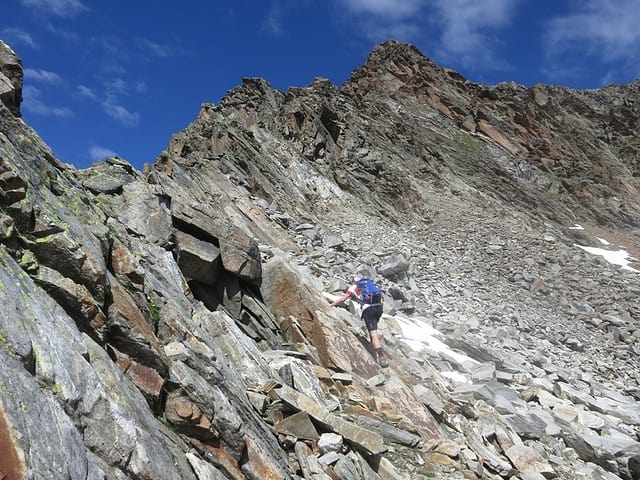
121	76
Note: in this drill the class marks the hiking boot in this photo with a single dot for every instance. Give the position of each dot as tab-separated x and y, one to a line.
382	360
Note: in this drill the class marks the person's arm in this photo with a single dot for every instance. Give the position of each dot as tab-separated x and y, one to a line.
341	300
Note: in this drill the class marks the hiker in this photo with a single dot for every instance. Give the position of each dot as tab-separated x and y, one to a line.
371	311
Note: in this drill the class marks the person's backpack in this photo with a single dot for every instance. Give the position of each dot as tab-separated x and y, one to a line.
370	292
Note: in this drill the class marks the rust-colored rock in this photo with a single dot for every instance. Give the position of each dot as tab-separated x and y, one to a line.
12	466
148	381
216	454
259	466
129	331
187	416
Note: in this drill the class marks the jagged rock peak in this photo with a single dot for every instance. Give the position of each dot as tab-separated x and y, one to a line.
10	79
252	88
397	52
393	65
254	91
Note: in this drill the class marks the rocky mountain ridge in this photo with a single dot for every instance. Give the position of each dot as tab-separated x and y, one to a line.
174	323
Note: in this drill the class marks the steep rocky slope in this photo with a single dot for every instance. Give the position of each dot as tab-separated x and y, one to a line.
174	323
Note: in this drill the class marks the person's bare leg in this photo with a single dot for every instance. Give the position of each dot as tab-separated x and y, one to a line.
377	347
375	339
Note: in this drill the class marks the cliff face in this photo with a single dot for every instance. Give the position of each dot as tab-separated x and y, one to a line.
174	323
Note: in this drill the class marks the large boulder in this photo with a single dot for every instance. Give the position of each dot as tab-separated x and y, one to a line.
290	293
239	252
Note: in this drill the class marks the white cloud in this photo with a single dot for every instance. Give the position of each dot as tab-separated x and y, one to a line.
67	35
87	92
379	20
110	100
97	152
62	8
43	76
603	28
460	29
114	47
375	19
389	9
19	37
140	87
272	23
115	87
157	49
121	114
465	25
32	103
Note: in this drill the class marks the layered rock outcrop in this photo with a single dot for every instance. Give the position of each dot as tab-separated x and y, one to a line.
10	78
174	323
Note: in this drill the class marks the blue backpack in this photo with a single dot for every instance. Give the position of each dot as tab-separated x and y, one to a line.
370	292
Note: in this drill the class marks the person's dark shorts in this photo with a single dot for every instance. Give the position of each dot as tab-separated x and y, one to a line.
371	315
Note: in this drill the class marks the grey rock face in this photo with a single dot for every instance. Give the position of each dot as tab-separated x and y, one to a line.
175	323
11	74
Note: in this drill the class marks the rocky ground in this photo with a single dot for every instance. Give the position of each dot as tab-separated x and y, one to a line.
510	291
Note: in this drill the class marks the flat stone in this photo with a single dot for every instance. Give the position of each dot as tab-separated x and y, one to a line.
298	425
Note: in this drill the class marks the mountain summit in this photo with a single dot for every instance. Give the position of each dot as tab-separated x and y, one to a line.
175	322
